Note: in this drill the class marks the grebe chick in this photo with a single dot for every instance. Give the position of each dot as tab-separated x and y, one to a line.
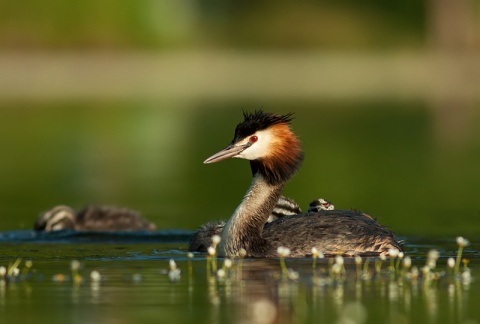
202	238
284	207
320	204
92	218
274	152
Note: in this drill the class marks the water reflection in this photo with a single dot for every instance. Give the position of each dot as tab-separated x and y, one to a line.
262	295
113	288
255	287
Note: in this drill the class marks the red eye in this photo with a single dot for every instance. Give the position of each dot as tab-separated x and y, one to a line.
253	139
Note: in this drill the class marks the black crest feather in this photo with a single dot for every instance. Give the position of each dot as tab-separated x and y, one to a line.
259	120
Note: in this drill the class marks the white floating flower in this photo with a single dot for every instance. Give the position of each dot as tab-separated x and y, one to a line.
393	253
227	263
212	251
216	239
451	263
283	251
462	242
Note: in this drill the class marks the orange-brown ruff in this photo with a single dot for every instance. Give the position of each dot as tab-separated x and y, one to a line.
282	156
275	155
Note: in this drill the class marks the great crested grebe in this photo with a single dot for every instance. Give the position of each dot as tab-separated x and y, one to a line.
202	239
275	155
92	218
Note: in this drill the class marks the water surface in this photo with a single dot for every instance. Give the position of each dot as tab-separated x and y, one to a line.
136	286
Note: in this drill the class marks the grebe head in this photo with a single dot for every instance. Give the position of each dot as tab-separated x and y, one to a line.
268	142
58	218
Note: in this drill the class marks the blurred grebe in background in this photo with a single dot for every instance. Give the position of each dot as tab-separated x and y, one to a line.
92	218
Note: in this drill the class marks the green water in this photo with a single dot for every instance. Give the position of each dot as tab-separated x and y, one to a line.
404	162
135	287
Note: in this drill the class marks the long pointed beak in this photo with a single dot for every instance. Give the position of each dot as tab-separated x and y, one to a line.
228	152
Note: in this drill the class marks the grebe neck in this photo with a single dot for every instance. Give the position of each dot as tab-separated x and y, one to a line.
244	228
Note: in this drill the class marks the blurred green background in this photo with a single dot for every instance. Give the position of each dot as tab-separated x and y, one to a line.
119	102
